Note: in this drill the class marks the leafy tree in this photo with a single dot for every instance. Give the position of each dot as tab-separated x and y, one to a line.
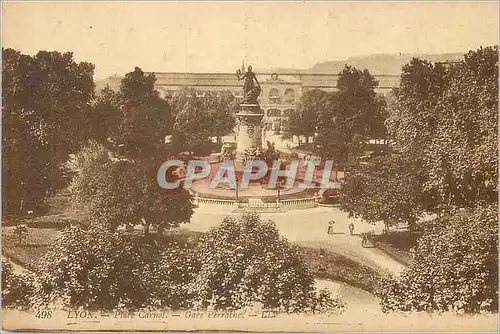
350	116
105	116
387	189
332	142
46	101
146	118
100	269
445	115
454	267
201	116
358	104
17	289
191	130
245	261
119	187
20	233
303	121
222	106
123	192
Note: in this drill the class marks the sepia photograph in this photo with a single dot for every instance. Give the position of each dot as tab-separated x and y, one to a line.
249	166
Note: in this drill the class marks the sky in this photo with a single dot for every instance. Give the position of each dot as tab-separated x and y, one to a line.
217	36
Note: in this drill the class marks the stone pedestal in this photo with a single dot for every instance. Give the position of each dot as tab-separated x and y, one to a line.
250	128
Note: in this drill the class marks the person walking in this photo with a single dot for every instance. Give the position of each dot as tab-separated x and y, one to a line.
330	227
351	228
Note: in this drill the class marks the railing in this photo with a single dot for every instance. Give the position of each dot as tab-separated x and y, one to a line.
214	201
257	203
300	202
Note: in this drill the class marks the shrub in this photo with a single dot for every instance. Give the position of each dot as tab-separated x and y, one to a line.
20	233
454	268
100	269
245	261
17	289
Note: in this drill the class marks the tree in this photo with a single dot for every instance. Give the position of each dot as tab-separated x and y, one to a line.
387	189
454	267
20	233
191	130
106	116
350	116
302	121
245	261
358	104
222	106
445	115
146	118
98	269
17	289
46	101
124	192
199	117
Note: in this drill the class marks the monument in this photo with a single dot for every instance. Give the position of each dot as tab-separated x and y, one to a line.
249	118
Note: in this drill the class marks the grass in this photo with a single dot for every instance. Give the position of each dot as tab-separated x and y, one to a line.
397	245
56	213
43	230
336	267
31	250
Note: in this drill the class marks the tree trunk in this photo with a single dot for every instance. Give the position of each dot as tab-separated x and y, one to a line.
386	227
129	228
146	225
160	230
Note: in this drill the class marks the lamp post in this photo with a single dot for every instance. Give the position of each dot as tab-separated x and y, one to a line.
279	189
236	187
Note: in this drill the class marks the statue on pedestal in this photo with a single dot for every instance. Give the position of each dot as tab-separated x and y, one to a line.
251	86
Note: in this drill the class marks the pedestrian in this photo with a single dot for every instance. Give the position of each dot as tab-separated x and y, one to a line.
330	227
364	240
351	228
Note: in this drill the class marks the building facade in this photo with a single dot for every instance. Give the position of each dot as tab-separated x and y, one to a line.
280	90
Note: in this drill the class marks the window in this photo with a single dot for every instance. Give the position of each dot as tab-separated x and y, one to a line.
289	96
274	96
273	113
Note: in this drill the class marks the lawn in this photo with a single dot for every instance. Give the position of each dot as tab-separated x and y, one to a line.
336	267
397	245
31	250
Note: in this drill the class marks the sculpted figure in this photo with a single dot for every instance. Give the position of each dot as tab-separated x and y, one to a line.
251	86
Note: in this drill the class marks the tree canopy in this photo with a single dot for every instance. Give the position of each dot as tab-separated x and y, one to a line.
454	267
445	116
46	101
201	116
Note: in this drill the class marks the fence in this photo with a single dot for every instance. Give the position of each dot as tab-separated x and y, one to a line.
257	203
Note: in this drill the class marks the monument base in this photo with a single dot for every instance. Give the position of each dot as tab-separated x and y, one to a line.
250	128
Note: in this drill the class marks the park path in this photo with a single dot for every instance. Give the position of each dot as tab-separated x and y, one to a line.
308	227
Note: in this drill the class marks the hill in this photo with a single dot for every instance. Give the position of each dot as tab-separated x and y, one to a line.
381	63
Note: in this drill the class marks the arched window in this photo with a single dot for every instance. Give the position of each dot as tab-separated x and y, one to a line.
274	96
287	112
289	96
273	113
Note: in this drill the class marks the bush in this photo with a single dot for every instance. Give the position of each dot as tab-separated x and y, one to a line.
17	289
245	262
454	268
336	267
20	233
100	269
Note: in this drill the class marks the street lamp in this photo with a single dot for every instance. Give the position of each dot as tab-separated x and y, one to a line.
279	188
236	187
